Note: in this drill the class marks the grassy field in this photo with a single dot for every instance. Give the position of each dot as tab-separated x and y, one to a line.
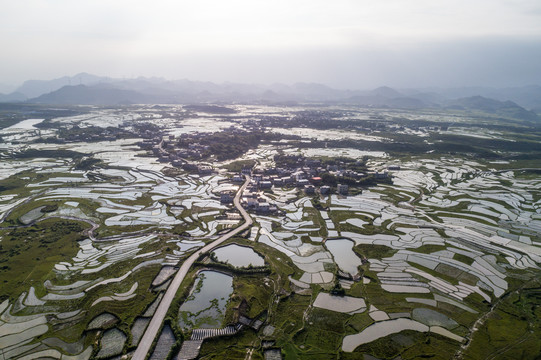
28	255
321	337
255	290
374	251
513	329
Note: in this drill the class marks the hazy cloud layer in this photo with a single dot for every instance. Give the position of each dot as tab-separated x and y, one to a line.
347	44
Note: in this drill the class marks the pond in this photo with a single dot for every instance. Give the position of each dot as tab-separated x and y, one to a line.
239	256
25	124
32	215
344	257
433	318
344	304
379	330
206	305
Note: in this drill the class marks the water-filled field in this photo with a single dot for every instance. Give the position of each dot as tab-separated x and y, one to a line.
87	253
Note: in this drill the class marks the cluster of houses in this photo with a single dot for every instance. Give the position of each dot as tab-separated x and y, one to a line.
252	198
194	150
306	178
164	147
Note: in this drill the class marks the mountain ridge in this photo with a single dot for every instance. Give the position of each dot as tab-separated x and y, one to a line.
89	89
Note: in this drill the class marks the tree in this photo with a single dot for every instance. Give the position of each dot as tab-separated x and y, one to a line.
328	179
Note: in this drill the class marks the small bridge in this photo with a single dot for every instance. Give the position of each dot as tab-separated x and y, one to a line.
202	334
190	348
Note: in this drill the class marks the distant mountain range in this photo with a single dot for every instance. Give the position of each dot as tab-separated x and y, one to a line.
519	102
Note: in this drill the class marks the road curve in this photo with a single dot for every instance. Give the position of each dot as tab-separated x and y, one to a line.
155	324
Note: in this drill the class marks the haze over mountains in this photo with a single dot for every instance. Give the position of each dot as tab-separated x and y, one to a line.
87	89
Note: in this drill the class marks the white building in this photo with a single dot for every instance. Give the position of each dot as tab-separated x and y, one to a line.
342	189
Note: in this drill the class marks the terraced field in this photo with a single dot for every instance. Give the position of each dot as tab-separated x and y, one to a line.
443	261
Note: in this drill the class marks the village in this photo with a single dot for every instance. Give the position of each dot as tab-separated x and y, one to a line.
312	179
312	176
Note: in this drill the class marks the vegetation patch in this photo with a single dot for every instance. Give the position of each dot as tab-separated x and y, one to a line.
238	165
251	295
322	333
28	255
374	251
513	329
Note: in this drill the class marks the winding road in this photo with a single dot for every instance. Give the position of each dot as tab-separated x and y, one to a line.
155	324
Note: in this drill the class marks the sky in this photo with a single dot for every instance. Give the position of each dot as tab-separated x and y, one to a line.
346	44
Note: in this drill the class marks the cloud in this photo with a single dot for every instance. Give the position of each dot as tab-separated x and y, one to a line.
344	43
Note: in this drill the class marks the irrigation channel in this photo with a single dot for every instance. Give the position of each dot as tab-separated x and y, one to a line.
155	324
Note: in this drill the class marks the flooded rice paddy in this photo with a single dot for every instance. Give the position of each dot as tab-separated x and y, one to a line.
239	256
441	255
205	306
344	256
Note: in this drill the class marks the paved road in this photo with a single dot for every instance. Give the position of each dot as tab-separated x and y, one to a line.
152	330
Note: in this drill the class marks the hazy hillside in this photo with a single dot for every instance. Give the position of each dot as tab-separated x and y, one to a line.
95	95
528	97
91	89
502	108
35	88
13	97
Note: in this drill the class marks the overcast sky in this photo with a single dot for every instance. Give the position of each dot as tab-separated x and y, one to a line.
354	44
